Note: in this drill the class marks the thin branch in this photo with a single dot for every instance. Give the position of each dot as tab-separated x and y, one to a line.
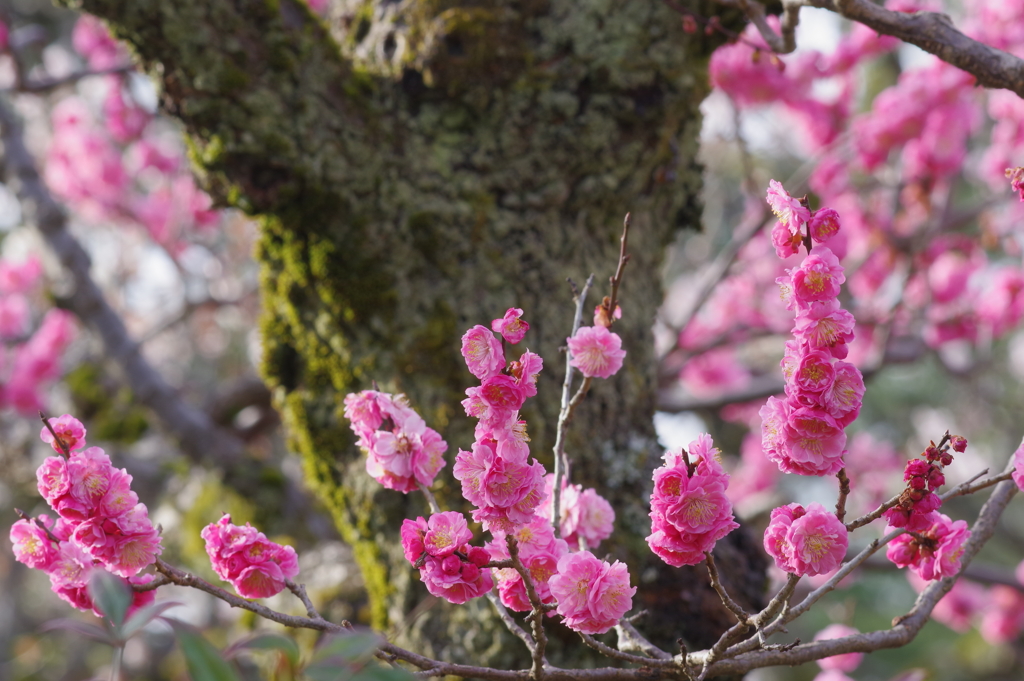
781	44
183	578
300	592
509	622
565	413
873	515
734	607
616	280
608	651
42	86
434	508
970	487
844	492
631	640
198	437
536	616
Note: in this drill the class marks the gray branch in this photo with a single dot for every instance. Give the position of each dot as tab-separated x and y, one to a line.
198	437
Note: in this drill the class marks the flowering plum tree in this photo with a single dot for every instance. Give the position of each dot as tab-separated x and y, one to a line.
418	168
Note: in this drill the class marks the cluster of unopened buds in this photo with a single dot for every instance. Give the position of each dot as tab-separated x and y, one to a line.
449	567
933	543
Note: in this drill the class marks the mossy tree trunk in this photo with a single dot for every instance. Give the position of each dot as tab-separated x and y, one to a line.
417	168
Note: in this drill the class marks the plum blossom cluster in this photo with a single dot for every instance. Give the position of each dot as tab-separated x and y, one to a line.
100	522
539	551
449	567
935	550
243	556
120	169
804	433
401	451
806	541
689	507
29	358
920	129
923	476
496	475
592	594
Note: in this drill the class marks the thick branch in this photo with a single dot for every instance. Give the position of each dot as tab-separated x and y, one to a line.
935	33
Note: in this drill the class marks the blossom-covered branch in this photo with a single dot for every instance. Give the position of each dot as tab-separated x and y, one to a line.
197	435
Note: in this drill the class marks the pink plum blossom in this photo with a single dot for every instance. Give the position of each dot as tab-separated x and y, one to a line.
592	595
596	351
806	541
584	514
482	352
69	429
933	552
21	277
1016	176
511	327
1018	466
818	278
446	533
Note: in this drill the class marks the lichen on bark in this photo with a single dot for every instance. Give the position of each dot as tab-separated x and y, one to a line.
419	167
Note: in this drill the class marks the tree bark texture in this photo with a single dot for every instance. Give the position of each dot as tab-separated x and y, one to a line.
418	167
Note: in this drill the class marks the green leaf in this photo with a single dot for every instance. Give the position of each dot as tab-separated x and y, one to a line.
111	595
144	616
90	631
344	656
352	648
204	660
266	642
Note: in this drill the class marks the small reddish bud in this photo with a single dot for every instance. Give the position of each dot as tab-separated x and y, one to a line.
689	24
959	443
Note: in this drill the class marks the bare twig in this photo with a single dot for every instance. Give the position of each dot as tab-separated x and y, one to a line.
434	508
734	607
631	640
565	413
509	622
49	84
844	492
970	487
873	515
608	651
616	280
300	592
536	616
